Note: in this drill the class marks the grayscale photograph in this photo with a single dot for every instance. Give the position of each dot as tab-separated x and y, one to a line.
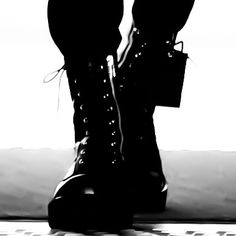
117	117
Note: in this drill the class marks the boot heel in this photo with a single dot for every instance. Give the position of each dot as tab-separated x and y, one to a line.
151	201
161	205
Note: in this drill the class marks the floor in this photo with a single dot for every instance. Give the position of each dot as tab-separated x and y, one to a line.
26	190
41	228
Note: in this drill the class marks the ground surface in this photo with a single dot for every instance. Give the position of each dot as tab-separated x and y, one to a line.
42	229
201	184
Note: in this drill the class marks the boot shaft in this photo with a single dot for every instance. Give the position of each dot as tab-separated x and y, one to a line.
96	111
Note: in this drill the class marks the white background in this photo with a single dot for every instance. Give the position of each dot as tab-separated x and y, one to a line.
28	107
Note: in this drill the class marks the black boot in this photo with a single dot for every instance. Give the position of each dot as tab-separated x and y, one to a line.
93	195
148	183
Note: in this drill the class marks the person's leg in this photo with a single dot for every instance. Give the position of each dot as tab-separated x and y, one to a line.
81	28
93	194
158	19
155	22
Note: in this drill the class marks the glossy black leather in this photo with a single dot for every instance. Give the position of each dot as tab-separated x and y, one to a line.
92	197
95	194
140	150
103	211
